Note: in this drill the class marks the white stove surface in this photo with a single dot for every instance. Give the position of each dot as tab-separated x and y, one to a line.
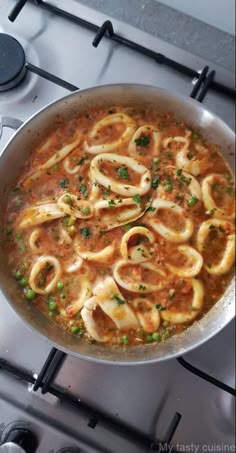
144	397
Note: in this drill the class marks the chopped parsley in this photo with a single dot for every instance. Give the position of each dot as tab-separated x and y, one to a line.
190	155
229	191
211	227
151	209
192	201
142	288
15	189
155	182
64	183
137	199
160	307
143	141
83	189
179	172
216	187
123	172
81	161
85	232
111	204
185	180
118	299
221	229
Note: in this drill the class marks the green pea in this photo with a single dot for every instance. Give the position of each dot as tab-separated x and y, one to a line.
18	236
168	187
30	294
9	229
125	339
195	136
156	336
165	324
50	314
55	167
67	199
60	286
18	275
74	329
86	210
52	306
149	339
23	282
156	160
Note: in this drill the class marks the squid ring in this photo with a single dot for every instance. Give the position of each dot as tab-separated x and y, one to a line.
208	200
111	218
147	314
138	253
145	130
40	264
118	187
193	256
168	233
227	260
139	287
180	317
34	238
92	326
110	120
103	256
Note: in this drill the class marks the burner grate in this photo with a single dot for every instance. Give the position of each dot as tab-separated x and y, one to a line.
106	29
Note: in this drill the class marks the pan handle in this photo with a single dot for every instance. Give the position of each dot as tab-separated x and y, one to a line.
7	121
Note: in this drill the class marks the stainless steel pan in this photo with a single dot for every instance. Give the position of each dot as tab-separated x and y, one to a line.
14	155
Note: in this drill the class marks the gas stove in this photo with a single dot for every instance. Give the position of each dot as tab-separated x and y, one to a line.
51	402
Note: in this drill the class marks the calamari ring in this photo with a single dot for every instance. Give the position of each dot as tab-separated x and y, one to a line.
209	202
227	259
103	256
38	214
65	237
57	157
193	256
180	317
147	130
72	309
147	314
92	326
119	187
112	303
69	203
139	253
138	287
111	219
111	120
34	237
70	170
194	165
40	264
168	233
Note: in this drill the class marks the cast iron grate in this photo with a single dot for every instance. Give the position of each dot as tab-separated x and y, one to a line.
106	29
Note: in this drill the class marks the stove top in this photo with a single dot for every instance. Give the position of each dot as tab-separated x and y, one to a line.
73	405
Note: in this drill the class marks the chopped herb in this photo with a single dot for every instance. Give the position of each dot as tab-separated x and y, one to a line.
195	136
221	229
160	307
142	287
64	183
192	201
155	182
9	230
137	199
229	191
127	226
108	191
170	155
83	189
81	161
85	232
55	167
123	172
179	172
211	212
15	189
185	180
143	141
216	187
111	204
150	166
209	265
18	237
118	299
151	209
190	155
211	227
168	186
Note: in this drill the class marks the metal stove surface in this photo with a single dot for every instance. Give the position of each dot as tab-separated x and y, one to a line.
145	397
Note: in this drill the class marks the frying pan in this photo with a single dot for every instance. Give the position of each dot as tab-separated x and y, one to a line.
17	151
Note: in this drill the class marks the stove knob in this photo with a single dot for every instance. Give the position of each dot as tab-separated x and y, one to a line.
19	440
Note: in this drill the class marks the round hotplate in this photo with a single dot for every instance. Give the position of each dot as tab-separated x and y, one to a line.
12	62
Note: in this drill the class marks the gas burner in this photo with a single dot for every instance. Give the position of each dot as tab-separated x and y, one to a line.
12	62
